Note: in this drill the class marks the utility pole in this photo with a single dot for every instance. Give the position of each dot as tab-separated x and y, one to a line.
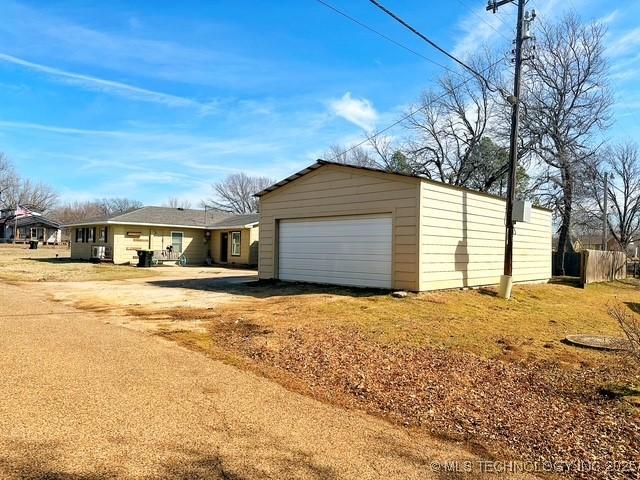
522	34
605	216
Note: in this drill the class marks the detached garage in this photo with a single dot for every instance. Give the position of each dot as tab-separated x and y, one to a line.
346	225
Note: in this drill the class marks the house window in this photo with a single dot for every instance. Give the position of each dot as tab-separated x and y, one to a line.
102	234
34	234
91	235
235	244
176	241
79	235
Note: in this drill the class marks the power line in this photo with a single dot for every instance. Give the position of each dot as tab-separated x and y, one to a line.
409	115
464	4
386	37
433	44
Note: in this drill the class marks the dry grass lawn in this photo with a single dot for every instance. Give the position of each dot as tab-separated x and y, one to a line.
530	325
52	264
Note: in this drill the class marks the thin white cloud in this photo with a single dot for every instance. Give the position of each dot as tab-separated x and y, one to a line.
109	86
479	28
358	111
625	43
610	18
216	61
4	124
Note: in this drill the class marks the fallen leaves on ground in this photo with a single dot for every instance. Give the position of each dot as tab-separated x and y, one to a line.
530	410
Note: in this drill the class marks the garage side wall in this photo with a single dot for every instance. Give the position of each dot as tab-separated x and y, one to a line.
462	240
333	191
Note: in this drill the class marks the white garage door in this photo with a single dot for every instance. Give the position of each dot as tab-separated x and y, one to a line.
343	251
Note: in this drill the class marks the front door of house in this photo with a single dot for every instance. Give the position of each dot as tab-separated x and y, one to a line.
224	246
176	241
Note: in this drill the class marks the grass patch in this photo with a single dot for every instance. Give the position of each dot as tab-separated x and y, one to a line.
52	264
615	390
530	325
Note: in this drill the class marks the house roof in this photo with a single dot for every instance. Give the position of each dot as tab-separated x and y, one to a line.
173	217
236	221
321	163
595	239
29	220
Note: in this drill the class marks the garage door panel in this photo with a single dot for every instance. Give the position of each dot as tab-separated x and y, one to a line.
355	280
383	256
329	248
346	251
337	225
319	265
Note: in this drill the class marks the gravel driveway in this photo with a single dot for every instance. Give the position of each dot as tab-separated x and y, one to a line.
81	399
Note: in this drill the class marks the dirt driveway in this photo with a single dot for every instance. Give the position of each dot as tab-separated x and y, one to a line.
169	288
83	399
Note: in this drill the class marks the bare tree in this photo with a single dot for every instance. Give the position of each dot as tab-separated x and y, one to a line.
76	211
622	164
16	191
235	194
630	325
93	209
7	172
112	206
449	125
357	156
624	194
566	102
175	202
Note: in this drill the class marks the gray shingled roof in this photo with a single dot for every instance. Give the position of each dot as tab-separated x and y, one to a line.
235	221
183	217
29	220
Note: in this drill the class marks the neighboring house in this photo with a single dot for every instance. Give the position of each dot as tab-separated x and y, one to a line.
169	232
593	242
347	225
23	226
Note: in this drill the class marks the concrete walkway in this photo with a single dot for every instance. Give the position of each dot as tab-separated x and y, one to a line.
81	399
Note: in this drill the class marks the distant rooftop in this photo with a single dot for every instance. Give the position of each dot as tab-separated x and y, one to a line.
174	217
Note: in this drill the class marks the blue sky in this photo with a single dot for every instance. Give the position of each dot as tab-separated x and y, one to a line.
156	99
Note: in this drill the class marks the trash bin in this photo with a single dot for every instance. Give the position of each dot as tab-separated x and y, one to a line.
144	258
33	245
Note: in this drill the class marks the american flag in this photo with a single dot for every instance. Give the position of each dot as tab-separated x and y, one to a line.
22	211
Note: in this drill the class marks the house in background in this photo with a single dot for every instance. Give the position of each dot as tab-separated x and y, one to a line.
201	236
347	225
22	225
593	242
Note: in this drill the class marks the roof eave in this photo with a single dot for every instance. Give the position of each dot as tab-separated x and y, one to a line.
141	224
319	163
231	227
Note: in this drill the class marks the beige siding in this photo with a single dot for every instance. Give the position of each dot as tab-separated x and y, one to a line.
248	246
125	242
195	245
82	250
334	191
462	240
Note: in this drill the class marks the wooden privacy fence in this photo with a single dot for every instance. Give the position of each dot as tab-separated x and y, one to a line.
599	266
